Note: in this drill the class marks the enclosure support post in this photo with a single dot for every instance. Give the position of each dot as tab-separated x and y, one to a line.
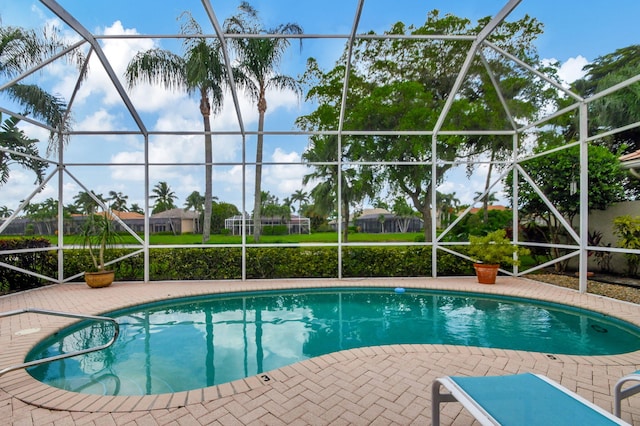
584	196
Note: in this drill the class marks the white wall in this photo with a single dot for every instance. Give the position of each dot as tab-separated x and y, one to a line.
602	220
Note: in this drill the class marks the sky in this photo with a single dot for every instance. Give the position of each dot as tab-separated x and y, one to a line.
576	32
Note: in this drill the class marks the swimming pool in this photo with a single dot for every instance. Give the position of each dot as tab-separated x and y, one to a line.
190	343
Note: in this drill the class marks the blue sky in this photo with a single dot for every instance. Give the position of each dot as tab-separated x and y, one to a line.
576	32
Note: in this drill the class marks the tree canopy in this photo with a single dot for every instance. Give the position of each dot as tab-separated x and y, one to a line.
403	85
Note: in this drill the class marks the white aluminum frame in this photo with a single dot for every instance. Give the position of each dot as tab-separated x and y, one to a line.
478	45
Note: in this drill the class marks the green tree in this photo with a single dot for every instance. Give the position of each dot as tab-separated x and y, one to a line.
272	208
301	197
22	49
619	108
86	202
200	71
403	213
118	201
43	215
219	212
258	59
447	206
5	211
553	174
195	201
20	150
402	84
136	208
354	184
164	198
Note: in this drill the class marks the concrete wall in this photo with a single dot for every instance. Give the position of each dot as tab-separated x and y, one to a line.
602	220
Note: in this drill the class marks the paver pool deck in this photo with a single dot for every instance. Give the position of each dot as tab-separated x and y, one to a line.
374	385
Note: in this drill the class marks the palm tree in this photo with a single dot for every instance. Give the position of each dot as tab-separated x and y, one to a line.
164	197
355	185
135	208
487	200
195	201
5	211
14	139
22	49
86	203
257	61
200	71
301	197
118	201
447	205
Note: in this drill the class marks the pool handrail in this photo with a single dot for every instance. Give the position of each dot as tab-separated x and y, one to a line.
61	356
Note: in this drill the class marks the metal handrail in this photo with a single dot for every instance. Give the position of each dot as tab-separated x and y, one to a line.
62	356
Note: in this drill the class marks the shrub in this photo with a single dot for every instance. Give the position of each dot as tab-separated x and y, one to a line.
627	229
41	262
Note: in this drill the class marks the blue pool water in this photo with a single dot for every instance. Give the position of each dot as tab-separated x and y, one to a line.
190	343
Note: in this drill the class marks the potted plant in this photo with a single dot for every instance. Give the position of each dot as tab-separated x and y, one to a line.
492	250
98	235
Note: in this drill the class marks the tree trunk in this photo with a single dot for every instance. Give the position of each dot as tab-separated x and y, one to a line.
426	214
205	109
485	202
257	200
345	218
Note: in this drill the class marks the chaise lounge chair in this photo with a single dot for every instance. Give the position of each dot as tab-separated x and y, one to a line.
619	394
520	399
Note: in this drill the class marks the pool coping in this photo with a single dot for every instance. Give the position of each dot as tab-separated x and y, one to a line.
79	298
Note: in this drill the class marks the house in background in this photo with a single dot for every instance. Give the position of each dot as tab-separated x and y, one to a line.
377	221
177	221
632	163
295	224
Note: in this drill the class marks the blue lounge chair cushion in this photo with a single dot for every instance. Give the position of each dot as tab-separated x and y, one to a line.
525	399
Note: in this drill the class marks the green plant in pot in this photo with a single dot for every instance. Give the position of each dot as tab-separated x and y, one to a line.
98	235
492	250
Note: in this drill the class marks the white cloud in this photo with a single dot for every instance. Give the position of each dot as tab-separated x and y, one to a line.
570	70
119	52
283	180
99	119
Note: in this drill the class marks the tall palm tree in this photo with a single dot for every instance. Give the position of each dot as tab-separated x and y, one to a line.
199	71
14	139
258	59
301	197
5	211
195	201
135	208
87	203
164	197
355	185
118	201
22	49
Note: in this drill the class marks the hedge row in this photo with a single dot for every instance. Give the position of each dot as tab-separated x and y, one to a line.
223	263
41	262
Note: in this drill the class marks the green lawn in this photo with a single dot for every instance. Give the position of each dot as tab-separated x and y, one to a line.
322	237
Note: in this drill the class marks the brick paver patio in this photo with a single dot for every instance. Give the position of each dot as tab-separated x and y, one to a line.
375	385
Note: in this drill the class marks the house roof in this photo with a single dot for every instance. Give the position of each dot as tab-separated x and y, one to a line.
177	213
630	157
121	215
127	215
490	207
369	213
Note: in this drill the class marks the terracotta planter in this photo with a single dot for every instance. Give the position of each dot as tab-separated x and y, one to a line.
486	273
99	279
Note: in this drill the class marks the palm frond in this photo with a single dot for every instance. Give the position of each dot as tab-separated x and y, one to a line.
157	66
